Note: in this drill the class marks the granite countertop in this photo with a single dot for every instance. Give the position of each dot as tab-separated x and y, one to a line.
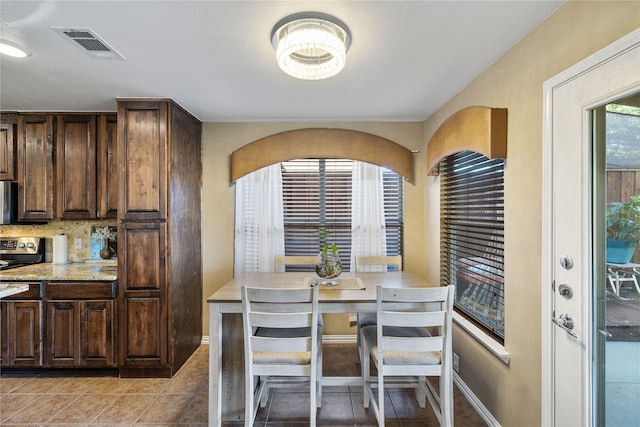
77	271
8	289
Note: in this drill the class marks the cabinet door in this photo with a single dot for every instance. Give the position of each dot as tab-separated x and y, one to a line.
35	167
24	332
4	333
8	124
107	156
63	333
76	167
97	334
143	311
142	148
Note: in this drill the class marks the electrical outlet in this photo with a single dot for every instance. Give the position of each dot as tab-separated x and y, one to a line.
456	362
77	243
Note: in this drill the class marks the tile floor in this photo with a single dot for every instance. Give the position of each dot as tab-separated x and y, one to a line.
66	400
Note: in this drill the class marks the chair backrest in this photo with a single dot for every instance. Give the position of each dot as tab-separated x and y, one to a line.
364	261
426	309
283	261
287	316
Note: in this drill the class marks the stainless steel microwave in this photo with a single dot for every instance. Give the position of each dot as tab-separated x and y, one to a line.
8	202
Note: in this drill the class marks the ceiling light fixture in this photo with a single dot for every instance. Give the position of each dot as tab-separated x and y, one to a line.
13	49
311	45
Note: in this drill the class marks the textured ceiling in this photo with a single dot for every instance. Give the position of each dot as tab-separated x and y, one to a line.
216	60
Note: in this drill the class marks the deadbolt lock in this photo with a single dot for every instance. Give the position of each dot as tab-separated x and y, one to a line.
565	291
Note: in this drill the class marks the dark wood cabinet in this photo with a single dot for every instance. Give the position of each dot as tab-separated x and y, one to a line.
65	164
60	324
35	167
159	234
63	333
21	328
8	124
97	333
107	164
143	320
75	166
80	324
142	127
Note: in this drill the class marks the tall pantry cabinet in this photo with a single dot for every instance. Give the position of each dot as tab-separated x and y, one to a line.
159	236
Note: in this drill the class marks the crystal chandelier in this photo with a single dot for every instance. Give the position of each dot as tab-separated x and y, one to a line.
311	46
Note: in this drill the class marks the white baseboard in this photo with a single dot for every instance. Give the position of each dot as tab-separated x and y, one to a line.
475	402
339	339
466	391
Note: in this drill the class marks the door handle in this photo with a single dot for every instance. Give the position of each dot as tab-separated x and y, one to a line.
565	322
605	333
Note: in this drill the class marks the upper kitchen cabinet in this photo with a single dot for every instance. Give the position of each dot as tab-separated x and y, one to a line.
143	127
76	166
8	123
107	166
35	167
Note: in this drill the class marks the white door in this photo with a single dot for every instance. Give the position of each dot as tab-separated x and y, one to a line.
572	253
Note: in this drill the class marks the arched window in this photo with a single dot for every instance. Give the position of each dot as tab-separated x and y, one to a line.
316	169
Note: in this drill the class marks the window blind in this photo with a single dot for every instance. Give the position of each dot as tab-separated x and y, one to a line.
317	194
472	237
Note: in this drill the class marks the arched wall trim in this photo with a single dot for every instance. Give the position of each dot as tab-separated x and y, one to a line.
479	129
315	143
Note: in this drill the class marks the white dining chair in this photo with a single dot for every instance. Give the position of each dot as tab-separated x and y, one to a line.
282	340
411	339
281	261
366	263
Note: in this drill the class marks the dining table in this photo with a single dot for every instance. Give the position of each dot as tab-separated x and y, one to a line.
348	293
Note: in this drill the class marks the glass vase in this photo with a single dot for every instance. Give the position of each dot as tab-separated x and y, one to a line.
329	265
106	252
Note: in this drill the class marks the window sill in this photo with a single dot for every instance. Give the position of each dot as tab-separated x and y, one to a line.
485	340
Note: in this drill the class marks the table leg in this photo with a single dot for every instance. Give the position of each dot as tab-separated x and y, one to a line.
215	365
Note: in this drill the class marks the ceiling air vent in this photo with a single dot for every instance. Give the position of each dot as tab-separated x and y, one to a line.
89	42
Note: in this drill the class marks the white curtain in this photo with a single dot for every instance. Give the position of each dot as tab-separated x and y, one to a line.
259	229
368	234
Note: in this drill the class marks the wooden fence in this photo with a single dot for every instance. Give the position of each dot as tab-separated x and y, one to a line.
621	185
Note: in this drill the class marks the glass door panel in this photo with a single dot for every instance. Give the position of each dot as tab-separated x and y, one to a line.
616	281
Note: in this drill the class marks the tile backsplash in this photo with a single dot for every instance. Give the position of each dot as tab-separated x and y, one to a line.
73	229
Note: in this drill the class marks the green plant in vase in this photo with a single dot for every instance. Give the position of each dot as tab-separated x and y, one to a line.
329	264
623	230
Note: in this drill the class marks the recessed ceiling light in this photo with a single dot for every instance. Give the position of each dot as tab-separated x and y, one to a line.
311	45
13	49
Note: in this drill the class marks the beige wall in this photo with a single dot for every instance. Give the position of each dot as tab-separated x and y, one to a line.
578	29
221	139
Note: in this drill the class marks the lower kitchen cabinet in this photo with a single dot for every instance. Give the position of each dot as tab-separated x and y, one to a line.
63	324
80	332
21	328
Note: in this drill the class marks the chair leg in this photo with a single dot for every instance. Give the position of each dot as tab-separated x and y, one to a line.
313	402
358	343
420	394
380	395
248	401
364	365
446	401
264	394
319	379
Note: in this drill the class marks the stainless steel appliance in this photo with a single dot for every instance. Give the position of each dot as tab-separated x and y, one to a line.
21	251
8	202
